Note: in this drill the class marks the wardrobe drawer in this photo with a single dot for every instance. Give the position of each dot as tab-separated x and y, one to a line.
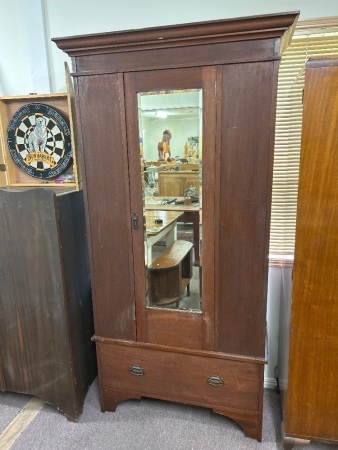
191	378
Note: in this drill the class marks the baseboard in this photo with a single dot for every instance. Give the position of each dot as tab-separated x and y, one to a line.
270	383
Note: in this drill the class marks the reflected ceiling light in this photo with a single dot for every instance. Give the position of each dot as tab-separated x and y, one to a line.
161	114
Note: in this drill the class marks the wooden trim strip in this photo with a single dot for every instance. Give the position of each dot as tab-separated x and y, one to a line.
166	348
20	423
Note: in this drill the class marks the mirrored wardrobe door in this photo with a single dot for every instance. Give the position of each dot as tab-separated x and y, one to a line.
169	149
170	136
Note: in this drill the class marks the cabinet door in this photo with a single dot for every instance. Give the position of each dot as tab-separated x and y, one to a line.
170	185
172	324
105	163
192	181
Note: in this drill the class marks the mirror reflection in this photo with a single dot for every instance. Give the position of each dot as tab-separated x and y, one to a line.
170	135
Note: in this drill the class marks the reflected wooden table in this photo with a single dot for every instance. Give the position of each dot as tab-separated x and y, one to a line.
156	231
190	214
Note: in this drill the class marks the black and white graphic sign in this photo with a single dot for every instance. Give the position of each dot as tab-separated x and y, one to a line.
39	141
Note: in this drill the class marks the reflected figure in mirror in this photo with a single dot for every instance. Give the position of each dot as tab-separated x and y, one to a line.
163	147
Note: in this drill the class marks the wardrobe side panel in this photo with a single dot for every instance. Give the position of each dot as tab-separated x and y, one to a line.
35	347
72	229
313	357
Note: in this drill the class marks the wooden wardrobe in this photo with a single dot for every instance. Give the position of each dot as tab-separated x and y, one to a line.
308	344
213	357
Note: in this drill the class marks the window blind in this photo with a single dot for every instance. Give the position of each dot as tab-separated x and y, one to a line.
309	40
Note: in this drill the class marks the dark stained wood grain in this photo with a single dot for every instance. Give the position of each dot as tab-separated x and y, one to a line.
235	64
46	319
162	326
199	55
210	188
182	378
77	285
311	407
231	30
245	166
2	378
104	150
172	79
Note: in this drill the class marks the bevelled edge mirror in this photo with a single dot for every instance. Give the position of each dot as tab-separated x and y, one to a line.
170	137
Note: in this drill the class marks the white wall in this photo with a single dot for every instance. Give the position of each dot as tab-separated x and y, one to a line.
180	129
284	326
24	47
30	62
14	65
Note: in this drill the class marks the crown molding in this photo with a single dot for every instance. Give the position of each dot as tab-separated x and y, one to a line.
229	30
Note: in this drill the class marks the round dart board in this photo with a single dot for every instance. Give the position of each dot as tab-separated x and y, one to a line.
39	141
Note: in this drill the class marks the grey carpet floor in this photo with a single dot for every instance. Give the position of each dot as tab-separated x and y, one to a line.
10	406
142	425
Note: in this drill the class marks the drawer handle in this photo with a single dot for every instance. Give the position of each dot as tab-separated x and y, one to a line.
215	381
136	370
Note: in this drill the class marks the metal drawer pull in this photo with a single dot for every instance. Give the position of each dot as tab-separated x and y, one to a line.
215	381
136	370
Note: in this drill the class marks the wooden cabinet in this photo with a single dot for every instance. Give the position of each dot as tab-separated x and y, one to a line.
212	357
174	184
46	319
308	361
